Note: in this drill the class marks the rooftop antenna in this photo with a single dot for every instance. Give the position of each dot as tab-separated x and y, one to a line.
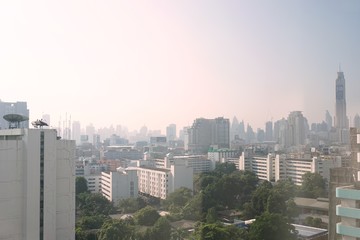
339	67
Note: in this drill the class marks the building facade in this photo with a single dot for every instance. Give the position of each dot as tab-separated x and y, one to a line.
37	185
159	182
276	167
120	184
347	199
206	132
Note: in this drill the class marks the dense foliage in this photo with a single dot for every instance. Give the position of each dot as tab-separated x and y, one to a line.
80	185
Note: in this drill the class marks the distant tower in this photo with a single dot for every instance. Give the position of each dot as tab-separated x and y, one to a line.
357	121
269	131
341	121
171	132
296	128
328	120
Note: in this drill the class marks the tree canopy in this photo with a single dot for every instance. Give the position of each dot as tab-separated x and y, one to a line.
271	226
146	216
313	186
80	185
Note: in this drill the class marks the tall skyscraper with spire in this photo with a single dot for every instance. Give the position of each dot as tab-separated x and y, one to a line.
341	121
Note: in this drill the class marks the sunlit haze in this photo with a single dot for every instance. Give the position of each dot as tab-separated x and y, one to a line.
160	62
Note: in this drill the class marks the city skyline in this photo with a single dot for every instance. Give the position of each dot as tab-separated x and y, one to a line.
139	63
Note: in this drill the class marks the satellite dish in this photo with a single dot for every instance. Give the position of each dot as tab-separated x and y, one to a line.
15	119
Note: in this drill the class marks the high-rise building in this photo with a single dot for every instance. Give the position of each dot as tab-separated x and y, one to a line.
357	121
328	120
171	132
235	128
341	120
76	132
37	185
296	129
206	132
13	107
269	131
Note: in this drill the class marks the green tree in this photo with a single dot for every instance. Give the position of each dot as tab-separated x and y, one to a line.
89	204
313	222
160	231
146	216
80	185
259	200
276	203
211	216
313	186
287	188
115	230
271	226
224	168
212	231
91	222
193	210
131	205
178	234
178	198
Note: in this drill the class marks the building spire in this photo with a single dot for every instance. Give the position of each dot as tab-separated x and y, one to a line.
339	67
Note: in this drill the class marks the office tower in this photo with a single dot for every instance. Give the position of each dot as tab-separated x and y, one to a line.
37	185
250	135
357	121
269	131
13	107
341	121
234	130
76	132
171	132
206	132
296	129
260	135
328	120
90	131
242	133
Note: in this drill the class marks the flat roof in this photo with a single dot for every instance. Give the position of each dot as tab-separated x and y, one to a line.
306	231
321	203
155	169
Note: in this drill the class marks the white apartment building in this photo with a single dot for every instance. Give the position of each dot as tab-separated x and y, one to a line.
273	168
199	163
262	166
37	185
217	155
159	182
120	184
93	183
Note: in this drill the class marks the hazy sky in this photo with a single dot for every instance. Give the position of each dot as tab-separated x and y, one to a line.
160	62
